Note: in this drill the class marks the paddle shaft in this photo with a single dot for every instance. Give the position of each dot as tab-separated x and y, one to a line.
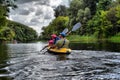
44	48
68	32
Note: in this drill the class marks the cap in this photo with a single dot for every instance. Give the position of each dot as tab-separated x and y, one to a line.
63	34
50	41
53	35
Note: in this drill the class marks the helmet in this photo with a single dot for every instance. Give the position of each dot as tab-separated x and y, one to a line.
63	34
53	36
50	41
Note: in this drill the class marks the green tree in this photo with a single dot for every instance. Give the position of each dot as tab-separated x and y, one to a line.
7	4
3	20
56	26
83	16
106	22
61	11
22	32
98	17
91	4
102	31
80	12
5	32
103	4
113	15
100	25
75	5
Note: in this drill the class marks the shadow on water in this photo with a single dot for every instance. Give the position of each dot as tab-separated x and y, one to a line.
99	46
60	57
3	58
3	53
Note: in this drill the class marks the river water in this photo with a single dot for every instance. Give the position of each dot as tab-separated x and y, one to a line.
88	61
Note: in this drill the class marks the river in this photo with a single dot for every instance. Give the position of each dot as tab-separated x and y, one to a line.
88	61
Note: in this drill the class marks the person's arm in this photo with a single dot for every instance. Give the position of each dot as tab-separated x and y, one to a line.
44	47
55	45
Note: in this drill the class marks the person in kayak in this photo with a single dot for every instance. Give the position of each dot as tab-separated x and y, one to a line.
51	42
63	42
55	38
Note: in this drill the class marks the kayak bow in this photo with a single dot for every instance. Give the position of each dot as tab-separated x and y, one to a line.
59	51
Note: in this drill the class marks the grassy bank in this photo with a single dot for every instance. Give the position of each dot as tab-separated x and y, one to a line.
92	39
115	39
83	39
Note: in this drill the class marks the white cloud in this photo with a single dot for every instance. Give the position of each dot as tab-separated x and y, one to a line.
55	3
35	13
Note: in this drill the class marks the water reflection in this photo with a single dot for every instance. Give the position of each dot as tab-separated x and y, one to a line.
99	46
62	57
3	53
4	56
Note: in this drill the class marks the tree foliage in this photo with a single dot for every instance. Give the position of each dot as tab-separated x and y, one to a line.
22	32
6	34
10	30
81	11
6	5
61	11
103	4
91	4
105	23
100	25
56	26
100	18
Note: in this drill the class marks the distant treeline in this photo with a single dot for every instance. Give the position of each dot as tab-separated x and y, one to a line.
100	18
10	30
22	32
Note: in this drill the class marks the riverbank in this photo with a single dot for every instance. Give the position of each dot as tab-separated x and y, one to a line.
77	38
92	39
115	39
82	39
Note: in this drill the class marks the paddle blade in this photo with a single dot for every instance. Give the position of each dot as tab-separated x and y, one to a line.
65	30
76	26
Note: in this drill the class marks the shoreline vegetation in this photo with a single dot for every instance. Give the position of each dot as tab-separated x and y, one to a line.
80	39
89	39
99	18
83	39
11	31
92	39
115	39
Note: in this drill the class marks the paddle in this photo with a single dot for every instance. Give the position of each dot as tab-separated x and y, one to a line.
75	27
43	48
65	30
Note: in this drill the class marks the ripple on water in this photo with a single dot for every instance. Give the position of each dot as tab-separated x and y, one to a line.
79	65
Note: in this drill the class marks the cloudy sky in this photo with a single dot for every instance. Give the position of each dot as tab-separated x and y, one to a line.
35	13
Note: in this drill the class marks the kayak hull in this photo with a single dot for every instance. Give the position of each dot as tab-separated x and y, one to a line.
59	51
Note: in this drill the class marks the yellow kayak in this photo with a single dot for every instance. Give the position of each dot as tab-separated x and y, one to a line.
59	51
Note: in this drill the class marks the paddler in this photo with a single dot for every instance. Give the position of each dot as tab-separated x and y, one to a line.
62	43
